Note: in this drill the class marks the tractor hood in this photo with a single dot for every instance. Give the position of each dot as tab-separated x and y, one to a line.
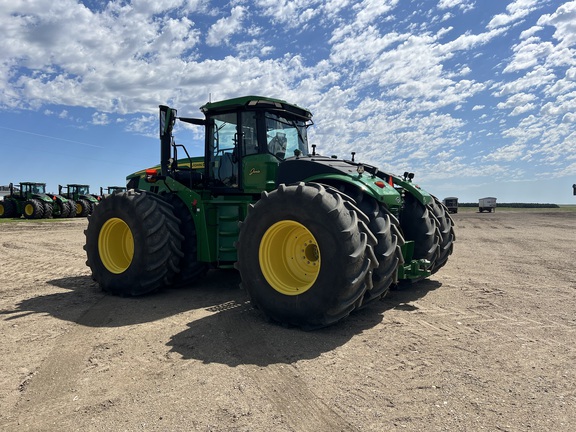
295	169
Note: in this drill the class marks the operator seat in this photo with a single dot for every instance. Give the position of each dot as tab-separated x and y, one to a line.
228	170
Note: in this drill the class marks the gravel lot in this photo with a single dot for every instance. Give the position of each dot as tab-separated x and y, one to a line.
487	343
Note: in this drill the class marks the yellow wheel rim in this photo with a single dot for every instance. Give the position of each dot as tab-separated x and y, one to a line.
289	257
29	209
116	245
1	210
78	208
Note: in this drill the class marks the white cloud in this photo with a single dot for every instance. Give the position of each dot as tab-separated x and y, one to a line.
516	100
294	13
100	119
564	20
515	11
370	10
465	5
537	78
506	153
529	53
521	109
530	32
221	31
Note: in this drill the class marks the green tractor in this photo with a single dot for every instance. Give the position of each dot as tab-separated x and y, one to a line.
31	201
111	190
80	194
313	237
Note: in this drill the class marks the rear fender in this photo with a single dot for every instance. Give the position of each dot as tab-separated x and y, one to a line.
412	188
43	197
367	183
195	204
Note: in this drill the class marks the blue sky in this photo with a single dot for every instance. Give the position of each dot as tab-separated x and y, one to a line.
476	97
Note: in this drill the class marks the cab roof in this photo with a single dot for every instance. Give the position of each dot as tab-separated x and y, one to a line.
248	102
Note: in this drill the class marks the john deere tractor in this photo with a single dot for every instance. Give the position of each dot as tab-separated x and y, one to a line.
313	237
111	190
84	202
31	201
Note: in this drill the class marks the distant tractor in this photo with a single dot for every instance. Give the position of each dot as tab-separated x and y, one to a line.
31	201
80	194
487	204
451	204
110	190
313	237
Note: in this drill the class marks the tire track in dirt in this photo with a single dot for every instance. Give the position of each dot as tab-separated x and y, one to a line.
279	381
52	386
490	324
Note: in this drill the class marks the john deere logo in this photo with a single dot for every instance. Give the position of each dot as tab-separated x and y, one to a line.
254	171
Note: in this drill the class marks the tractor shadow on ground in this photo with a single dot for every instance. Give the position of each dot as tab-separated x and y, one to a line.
223	326
235	334
86	304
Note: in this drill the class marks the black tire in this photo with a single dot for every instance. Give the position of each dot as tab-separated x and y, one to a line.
82	207
8	208
133	245
48	209
325	266
33	209
385	227
419	225
60	209
190	269
447	235
71	205
91	205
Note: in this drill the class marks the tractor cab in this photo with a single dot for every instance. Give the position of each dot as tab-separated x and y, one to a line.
28	189
245	141
79	189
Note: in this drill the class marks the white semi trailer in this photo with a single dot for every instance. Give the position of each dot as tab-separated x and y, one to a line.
487	204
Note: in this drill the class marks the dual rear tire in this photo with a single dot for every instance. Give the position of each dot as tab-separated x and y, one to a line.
306	255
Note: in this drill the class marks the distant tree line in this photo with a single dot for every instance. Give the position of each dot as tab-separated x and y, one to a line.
514	205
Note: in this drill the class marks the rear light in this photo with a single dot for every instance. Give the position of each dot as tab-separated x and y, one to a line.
151	175
380	184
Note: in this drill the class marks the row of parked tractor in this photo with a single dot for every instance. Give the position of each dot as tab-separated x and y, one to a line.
30	200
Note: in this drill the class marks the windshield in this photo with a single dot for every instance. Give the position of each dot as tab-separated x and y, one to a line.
83	190
38	188
285	136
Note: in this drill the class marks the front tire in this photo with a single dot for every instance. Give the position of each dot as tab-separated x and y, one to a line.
7	208
82	208
305	255
191	269
33	209
133	244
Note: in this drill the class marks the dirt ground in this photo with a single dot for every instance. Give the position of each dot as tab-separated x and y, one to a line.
488	343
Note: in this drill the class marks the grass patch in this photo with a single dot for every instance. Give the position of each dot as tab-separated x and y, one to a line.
24	220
